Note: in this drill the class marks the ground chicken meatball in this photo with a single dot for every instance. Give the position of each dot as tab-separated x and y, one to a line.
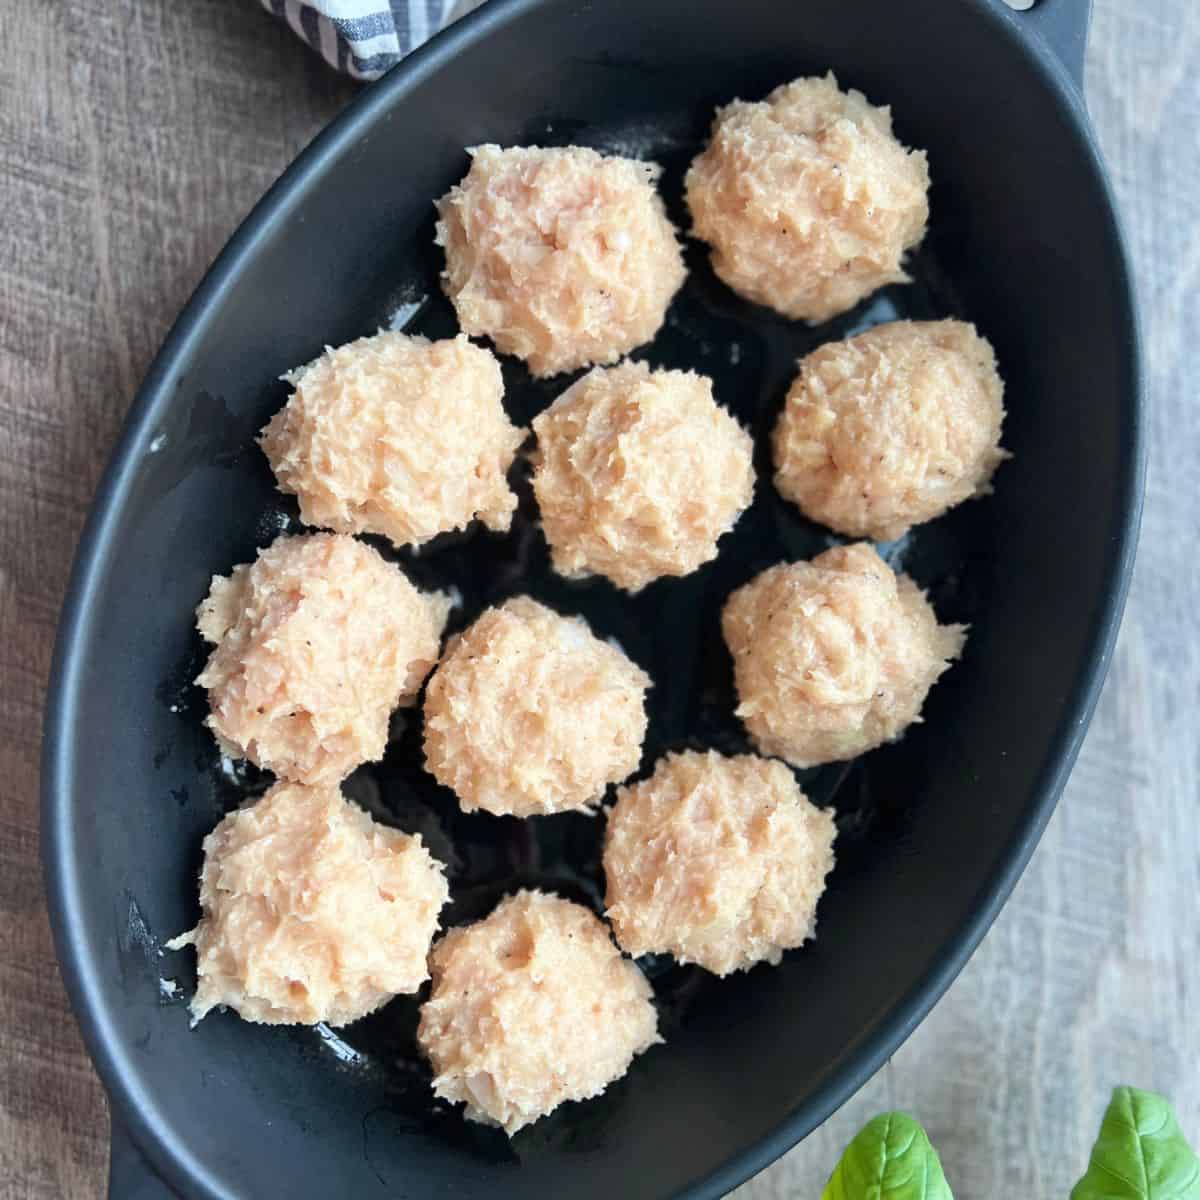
398	436
638	473
835	656
316	642
718	861
562	257
807	199
312	911
529	713
530	1007
891	428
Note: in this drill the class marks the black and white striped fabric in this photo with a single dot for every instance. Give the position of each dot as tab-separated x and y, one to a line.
364	38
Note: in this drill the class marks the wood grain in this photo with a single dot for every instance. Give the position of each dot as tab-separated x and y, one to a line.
135	134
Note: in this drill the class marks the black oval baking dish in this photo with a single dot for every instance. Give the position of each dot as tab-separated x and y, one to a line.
934	830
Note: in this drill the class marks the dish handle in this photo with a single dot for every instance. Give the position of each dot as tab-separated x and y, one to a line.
130	1176
1060	24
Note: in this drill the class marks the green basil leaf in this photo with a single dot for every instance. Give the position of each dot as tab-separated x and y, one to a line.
891	1158
1141	1154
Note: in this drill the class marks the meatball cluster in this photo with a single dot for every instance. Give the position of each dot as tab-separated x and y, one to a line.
638	473
833	657
314	911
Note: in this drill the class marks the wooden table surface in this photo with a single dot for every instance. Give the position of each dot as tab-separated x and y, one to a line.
135	135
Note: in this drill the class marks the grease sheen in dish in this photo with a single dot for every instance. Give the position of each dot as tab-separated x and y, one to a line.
563	257
638	473
315	643
833	657
717	861
398	436
808	200
529	713
532	1006
891	428
312	911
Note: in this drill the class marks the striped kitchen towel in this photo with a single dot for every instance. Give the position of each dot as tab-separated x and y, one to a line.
364	38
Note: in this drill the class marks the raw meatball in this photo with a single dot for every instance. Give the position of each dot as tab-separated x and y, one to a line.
531	1007
317	642
312	911
718	861
891	428
562	257
638	473
398	436
808	200
529	712
835	656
